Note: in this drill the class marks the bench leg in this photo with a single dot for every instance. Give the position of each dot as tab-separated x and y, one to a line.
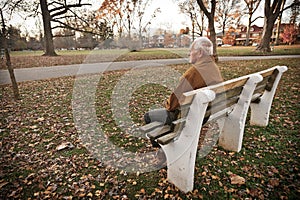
181	154
260	111
231	135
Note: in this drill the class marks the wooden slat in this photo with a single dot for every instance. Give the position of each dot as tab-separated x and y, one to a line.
148	127
228	94
229	85
221	106
158	132
178	126
219	88
267	72
272	80
167	138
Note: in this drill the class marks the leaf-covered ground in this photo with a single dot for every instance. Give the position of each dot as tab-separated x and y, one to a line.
42	156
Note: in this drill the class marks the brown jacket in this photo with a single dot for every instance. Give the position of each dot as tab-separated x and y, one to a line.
201	74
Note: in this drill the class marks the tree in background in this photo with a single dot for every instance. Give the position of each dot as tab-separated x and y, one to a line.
140	16
87	41
65	39
112	12
229	37
196	15
168	40
289	34
211	22
295	9
56	14
272	12
252	6
15	40
227	13
127	15
3	35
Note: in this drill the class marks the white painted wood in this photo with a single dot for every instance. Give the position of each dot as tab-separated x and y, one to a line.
260	111
181	154
231	135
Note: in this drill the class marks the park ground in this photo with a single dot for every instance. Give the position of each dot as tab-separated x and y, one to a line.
42	157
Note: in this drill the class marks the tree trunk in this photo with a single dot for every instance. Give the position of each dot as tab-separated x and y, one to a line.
264	45
211	24
248	30
8	62
271	14
49	47
278	31
213	38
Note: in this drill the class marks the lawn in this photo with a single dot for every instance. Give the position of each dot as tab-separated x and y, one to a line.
43	155
26	59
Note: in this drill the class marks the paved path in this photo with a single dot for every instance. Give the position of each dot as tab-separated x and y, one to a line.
40	73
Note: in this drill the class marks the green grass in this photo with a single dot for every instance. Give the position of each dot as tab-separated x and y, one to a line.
169	52
32	128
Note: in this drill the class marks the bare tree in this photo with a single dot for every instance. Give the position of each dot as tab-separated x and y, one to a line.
55	14
252	6
196	16
142	24
58	12
226	13
295	12
211	22
112	11
3	35
127	15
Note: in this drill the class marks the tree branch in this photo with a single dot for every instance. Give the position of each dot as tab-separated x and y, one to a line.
259	17
66	26
64	9
203	8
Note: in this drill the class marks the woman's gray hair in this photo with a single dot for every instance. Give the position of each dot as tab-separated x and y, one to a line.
204	44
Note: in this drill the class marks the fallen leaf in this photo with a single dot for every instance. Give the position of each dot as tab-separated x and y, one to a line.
3	184
237	180
273	182
64	145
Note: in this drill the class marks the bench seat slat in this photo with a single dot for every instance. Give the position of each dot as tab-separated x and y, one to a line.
167	138
148	127
158	132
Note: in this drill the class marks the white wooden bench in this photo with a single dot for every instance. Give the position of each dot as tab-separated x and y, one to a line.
226	103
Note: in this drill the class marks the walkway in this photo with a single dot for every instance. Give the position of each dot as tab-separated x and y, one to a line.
40	73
